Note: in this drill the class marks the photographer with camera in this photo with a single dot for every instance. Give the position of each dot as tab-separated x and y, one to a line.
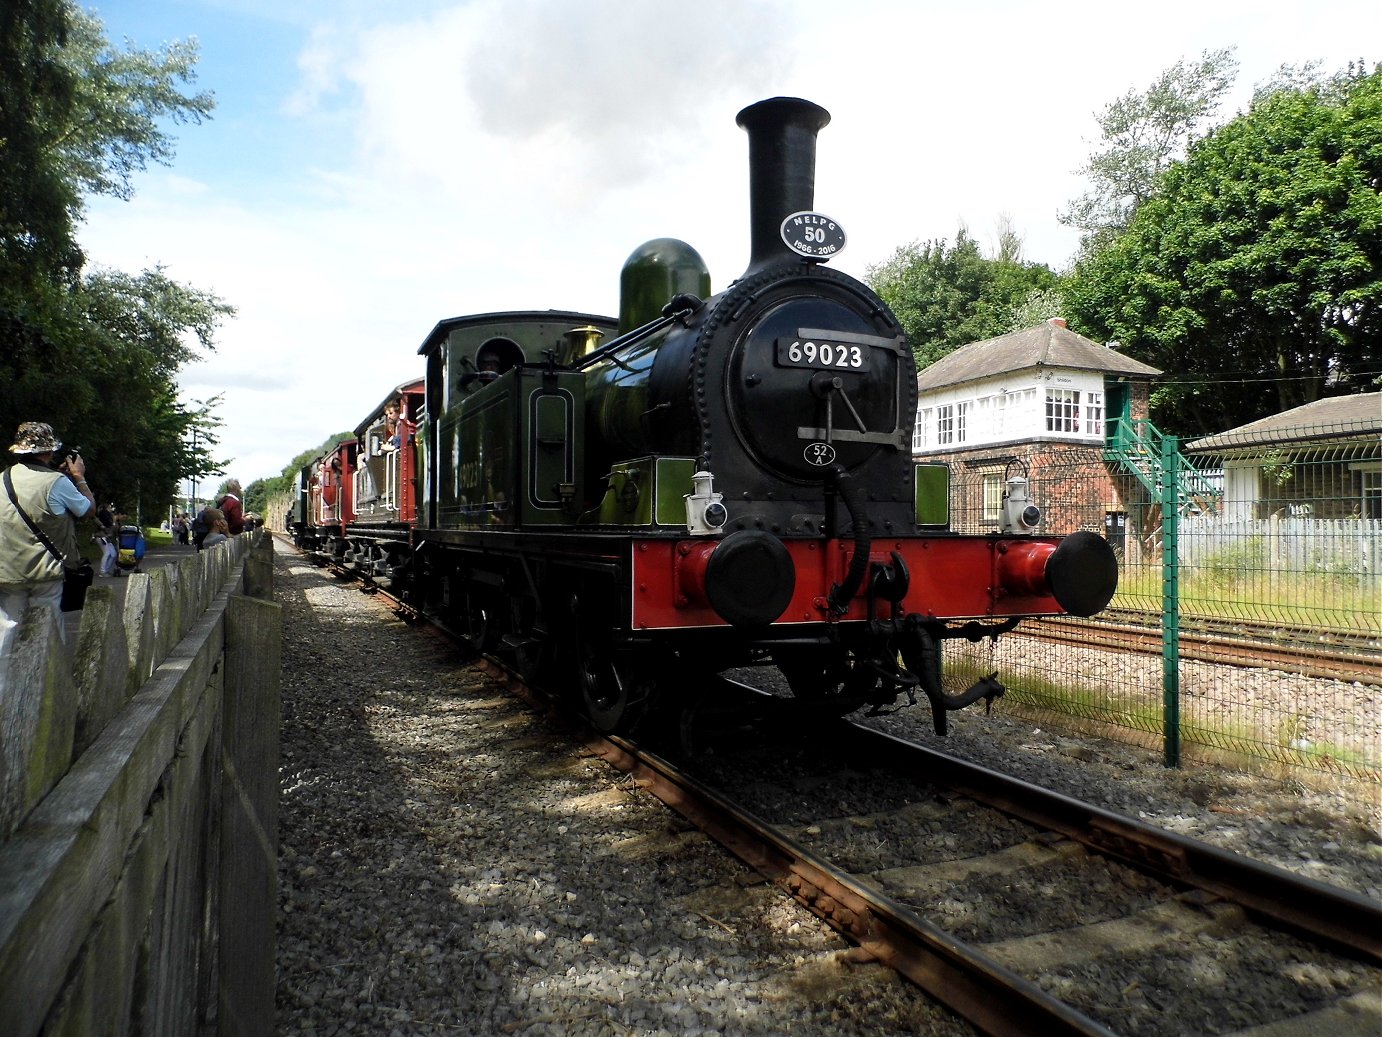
39	503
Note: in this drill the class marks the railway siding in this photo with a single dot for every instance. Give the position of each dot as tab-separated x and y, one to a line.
1324	730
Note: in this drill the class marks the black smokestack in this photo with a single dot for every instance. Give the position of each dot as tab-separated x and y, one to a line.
782	168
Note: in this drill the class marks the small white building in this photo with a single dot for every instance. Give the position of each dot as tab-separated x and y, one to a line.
1046	383
1044	400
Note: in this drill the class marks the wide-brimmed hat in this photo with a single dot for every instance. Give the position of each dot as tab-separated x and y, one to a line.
36	437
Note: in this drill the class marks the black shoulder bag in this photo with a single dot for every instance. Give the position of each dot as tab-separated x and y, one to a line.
74	581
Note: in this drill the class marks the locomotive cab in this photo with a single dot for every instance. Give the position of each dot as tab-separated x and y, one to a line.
502	439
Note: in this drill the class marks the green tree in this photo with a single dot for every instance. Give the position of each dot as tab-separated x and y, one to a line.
1253	277
103	372
1142	134
1038	305
286	479
94	352
256	497
36	201
121	103
945	295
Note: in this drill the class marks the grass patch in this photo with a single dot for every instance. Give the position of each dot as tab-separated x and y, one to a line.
1029	693
1318	601
1087	711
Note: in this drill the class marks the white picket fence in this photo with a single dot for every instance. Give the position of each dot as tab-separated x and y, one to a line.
1294	543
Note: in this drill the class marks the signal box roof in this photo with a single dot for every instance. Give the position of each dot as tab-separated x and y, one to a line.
1049	344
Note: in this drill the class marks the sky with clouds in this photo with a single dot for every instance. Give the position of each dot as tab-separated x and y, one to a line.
373	168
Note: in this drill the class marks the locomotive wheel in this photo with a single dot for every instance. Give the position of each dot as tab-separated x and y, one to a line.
604	692
703	716
598	678
604	689
479	623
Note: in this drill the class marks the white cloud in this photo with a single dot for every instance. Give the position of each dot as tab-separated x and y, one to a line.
512	153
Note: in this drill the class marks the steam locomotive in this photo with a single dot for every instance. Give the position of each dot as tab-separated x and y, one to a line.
708	481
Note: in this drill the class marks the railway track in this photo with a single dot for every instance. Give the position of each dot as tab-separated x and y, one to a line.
1329	655
1109	909
1258	630
1022	910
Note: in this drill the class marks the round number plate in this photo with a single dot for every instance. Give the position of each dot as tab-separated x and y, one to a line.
813	234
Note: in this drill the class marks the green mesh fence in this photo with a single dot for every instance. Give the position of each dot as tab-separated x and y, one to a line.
1247	627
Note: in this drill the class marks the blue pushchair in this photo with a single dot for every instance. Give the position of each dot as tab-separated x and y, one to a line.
129	543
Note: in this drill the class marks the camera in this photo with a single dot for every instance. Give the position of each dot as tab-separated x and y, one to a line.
68	455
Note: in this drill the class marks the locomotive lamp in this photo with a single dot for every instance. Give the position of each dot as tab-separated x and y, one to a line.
1020	515
705	512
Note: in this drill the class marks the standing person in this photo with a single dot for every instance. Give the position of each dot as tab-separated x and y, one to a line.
229	506
52	498
200	527
107	530
180	528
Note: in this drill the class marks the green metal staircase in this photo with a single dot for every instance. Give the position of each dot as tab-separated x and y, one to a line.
1138	447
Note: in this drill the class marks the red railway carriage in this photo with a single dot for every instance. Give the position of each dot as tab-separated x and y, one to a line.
328	505
385	484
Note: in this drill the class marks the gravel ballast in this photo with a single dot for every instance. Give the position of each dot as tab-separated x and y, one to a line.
451	865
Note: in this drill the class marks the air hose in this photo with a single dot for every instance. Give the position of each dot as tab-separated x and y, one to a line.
841	593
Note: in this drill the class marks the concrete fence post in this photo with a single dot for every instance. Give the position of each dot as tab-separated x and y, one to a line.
101	670
38	716
248	879
259	570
